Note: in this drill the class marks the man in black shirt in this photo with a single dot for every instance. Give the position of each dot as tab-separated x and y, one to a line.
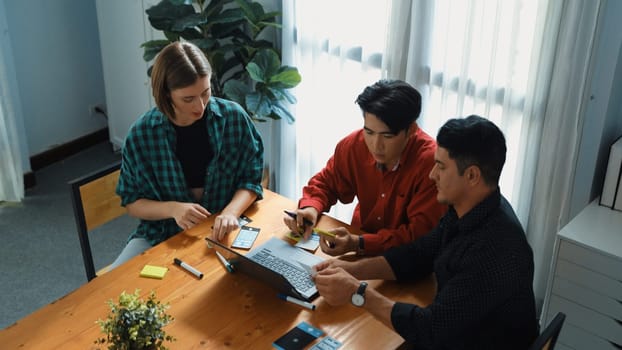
478	252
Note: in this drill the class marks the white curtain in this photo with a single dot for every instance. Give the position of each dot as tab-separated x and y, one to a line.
338	52
524	65
577	23
11	169
477	57
521	63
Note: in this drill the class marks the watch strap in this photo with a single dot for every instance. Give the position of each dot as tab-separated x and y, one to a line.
361	289
361	246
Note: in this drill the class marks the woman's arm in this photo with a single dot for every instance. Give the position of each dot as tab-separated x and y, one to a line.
186	215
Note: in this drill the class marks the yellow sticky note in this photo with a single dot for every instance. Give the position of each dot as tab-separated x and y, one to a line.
294	236
151	271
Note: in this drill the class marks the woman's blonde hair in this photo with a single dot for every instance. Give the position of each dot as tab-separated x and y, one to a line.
178	65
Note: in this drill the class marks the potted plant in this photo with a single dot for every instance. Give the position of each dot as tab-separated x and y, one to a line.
135	324
246	68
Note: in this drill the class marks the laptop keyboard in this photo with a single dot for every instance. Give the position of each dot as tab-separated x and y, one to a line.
297	277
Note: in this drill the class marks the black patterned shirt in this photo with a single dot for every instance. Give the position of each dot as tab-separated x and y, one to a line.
484	271
150	168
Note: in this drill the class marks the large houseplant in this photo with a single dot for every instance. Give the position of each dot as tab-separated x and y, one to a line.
135	324
246	68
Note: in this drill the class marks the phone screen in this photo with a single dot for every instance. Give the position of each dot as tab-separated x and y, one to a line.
246	237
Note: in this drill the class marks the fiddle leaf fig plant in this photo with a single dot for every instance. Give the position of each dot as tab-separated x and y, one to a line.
135	323
245	68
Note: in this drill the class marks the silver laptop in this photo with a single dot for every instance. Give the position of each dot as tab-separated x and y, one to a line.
277	263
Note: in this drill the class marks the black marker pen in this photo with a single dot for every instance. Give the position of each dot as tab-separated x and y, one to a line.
188	268
294	216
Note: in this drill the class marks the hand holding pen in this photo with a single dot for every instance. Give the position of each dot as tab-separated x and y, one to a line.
301	221
307	227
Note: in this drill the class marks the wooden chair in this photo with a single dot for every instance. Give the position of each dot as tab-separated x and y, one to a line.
547	339
95	203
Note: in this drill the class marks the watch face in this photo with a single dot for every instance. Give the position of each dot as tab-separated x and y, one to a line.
358	300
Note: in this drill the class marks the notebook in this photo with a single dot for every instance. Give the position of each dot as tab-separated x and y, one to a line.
276	263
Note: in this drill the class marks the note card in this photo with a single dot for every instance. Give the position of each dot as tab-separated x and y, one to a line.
311	244
152	271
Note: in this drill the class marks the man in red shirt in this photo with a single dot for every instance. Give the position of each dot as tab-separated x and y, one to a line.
385	165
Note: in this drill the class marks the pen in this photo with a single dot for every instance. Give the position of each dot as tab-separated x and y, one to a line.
297	301
322	232
224	261
188	268
309	223
294	216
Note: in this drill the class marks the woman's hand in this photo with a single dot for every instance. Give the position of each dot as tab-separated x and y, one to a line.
223	224
187	215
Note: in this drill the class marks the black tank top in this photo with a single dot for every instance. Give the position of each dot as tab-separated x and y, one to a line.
193	151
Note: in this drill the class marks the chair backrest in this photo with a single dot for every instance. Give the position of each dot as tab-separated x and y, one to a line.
548	337
95	203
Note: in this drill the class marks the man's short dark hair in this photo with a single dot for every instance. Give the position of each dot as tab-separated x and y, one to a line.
395	102
474	141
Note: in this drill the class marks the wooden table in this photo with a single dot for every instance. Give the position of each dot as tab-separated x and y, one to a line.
222	310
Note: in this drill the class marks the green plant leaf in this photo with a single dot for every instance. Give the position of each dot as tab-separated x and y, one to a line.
180	2
271	24
214	7
227	16
282	111
264	65
236	90
287	76
134	323
163	15
256	72
258	105
252	10
245	69
152	47
282	94
205	44
190	21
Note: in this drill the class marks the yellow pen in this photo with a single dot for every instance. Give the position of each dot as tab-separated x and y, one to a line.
322	232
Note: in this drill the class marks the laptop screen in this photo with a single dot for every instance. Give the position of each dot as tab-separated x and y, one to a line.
275	262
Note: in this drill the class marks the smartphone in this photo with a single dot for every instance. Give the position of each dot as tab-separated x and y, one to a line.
246	237
298	337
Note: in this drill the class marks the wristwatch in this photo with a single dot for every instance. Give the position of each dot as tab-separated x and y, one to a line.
358	298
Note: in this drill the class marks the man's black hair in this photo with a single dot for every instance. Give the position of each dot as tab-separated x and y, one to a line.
474	141
395	102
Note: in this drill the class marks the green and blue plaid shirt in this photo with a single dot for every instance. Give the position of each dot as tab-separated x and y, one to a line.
150	169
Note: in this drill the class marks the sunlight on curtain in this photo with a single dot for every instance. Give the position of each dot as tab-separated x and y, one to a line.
523	64
338	55
479	57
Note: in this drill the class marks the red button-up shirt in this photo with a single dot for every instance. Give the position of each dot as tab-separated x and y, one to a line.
395	206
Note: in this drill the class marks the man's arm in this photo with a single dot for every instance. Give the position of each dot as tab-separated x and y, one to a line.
337	280
324	188
334	181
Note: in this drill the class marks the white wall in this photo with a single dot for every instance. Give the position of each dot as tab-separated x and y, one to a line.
58	67
603	120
